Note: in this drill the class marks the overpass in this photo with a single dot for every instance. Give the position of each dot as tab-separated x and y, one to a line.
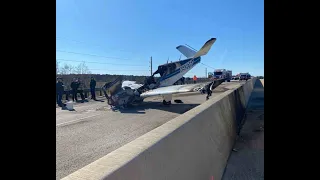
192	140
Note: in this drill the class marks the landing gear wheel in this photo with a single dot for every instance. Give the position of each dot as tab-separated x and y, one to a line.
166	102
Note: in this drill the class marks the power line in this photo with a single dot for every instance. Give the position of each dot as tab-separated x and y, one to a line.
92	55
115	70
191	47
57	38
95	62
110	69
81	42
208	66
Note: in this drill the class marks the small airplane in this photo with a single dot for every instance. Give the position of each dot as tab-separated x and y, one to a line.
121	93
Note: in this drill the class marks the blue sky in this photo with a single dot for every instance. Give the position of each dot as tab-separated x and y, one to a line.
129	32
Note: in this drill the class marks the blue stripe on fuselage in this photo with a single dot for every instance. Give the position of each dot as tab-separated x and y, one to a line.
196	61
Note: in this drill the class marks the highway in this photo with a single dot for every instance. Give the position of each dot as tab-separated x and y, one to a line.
94	130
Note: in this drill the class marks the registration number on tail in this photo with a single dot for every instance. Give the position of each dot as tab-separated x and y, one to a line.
187	66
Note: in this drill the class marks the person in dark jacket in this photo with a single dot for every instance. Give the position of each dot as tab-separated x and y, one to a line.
93	88
182	80
59	91
209	89
74	88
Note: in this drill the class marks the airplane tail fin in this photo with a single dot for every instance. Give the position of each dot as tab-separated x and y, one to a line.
189	53
205	48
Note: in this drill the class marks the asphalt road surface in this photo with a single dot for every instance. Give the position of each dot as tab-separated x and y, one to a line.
93	130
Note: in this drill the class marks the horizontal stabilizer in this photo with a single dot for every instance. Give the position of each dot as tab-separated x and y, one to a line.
187	52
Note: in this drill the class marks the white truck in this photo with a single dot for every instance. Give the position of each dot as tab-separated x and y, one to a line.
222	74
245	76
229	75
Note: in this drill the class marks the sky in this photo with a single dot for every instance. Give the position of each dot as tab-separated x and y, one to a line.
120	36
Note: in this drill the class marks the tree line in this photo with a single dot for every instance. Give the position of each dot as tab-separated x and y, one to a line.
67	72
81	68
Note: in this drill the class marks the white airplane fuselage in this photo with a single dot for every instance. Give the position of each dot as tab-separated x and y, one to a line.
179	72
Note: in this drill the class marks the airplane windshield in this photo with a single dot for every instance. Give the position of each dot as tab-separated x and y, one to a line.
166	69
161	70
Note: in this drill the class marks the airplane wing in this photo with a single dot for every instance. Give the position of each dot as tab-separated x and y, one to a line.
174	89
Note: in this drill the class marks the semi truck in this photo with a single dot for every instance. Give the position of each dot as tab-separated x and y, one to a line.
229	75
244	76
222	74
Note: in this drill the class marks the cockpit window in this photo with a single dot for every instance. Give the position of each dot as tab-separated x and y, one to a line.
172	67
166	69
162	70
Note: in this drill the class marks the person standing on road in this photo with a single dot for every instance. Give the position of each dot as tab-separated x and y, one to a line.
209	89
93	88
59	91
195	79
67	90
81	89
182	80
74	88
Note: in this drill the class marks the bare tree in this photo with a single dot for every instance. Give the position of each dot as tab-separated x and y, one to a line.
77	69
57	68
66	69
82	68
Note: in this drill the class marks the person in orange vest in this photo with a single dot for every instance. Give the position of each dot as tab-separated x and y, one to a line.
195	79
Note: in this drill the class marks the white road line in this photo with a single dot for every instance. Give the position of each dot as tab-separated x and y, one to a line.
79	119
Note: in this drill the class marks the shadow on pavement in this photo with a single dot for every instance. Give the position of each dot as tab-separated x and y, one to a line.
178	108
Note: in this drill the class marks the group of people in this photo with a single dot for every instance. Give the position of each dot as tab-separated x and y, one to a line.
77	86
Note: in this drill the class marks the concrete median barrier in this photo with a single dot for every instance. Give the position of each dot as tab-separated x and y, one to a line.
195	145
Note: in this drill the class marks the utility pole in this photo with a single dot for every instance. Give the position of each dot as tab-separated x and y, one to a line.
206	73
151	65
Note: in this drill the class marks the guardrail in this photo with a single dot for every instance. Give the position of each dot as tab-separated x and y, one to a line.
86	93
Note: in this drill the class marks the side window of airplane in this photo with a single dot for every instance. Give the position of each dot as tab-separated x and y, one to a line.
162	70
169	69
173	68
